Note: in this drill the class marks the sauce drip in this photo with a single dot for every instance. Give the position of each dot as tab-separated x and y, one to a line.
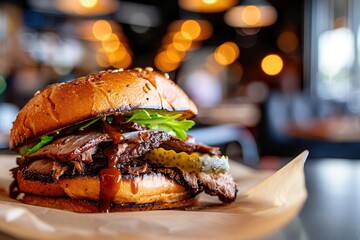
134	186
113	132
110	179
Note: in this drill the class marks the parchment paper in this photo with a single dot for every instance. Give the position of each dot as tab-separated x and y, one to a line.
266	202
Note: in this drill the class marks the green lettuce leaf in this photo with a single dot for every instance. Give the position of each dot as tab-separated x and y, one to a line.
88	123
43	141
166	123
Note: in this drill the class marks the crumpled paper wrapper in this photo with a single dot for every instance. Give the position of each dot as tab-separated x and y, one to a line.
266	202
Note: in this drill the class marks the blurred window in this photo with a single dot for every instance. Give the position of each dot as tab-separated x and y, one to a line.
332	47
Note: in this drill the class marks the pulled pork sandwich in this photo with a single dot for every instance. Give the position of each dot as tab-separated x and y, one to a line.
114	141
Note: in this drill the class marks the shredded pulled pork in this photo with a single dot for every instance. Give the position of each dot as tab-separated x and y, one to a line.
82	146
71	147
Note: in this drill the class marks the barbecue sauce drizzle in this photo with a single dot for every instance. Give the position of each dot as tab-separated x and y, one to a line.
134	186
114	133
110	177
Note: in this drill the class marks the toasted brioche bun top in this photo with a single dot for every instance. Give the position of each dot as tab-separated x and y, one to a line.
107	92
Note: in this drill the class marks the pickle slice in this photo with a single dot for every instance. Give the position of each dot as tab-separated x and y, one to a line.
197	162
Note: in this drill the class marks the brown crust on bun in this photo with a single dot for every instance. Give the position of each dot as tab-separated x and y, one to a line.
85	206
114	91
81	194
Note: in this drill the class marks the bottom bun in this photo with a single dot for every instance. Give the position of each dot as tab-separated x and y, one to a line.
87	206
82	193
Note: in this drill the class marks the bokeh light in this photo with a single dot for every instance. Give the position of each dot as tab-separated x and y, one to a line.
287	41
180	42
173	54
120	59
207	6
88	3
272	64
102	29
251	15
182	37
204	26
164	63
101	58
86	7
191	28
226	53
112	43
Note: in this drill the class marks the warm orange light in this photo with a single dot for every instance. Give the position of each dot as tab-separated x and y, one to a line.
86	7
173	54
120	58
191	28
117	55
95	30
207	5
182	36
206	30
180	42
203	26
101	58
101	29
88	3
287	41
210	1
112	43
251	15
226	53
163	63
272	64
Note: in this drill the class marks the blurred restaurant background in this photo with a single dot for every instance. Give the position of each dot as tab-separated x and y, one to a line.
270	77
